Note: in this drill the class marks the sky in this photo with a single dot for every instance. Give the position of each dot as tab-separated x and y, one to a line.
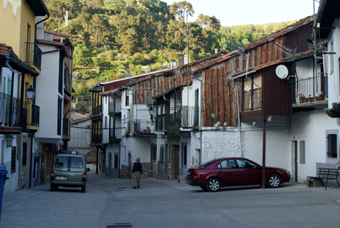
241	12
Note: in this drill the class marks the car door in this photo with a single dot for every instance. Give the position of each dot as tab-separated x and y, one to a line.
249	173
227	172
61	168
76	168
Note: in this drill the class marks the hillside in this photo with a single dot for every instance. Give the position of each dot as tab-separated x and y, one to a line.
116	38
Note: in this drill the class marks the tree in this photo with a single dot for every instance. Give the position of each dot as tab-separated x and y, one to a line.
82	56
181	9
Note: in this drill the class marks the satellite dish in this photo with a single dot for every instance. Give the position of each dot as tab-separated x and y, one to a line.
281	71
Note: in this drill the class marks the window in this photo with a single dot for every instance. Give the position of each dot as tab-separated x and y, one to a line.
245	164
24	153
76	162
302	152
13	156
105	122
196	108
59	116
161	154
61	162
127	98
332	146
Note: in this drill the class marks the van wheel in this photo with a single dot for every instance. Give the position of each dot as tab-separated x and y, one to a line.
53	187
83	188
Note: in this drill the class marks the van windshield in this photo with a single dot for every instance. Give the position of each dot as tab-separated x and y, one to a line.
76	162
61	162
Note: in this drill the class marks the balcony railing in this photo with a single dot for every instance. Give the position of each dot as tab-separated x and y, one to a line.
310	87
97	138
115	134
189	117
252	100
175	117
97	110
33	115
33	54
67	82
9	116
160	122
142	126
66	125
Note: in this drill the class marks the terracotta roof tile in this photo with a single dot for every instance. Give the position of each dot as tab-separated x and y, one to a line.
56	33
80	120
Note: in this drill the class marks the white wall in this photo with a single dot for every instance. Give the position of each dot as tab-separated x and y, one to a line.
80	135
312	128
47	87
333	74
11	184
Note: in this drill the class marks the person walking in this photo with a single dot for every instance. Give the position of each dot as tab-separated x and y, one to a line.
136	172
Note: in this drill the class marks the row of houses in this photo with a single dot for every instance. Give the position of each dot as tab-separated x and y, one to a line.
275	101
35	93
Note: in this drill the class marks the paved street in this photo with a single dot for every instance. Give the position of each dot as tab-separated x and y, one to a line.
170	204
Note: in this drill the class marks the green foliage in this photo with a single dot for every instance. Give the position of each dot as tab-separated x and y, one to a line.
110	36
173	129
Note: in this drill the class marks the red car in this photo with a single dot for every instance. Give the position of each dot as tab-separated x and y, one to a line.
223	172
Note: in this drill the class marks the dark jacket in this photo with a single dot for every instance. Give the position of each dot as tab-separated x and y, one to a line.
137	167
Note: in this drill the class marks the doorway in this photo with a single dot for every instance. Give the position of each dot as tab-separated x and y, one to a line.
110	164
176	161
184	158
294	165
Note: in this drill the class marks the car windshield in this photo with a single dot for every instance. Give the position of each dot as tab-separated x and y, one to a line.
207	163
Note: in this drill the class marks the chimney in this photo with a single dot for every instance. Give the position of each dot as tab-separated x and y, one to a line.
173	63
216	50
186	59
40	28
180	59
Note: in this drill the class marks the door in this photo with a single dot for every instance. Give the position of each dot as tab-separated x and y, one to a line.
294	161
76	169
248	172
176	160
60	168
184	159
228	173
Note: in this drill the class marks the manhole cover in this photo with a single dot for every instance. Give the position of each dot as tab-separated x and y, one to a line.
119	225
121	188
107	191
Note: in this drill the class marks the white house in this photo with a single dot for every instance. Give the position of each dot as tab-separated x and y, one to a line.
55	82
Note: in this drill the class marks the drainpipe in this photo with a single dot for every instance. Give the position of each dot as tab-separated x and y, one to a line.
238	117
35	27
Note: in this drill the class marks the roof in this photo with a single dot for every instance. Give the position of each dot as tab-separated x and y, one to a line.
80	120
109	92
123	81
328	11
299	24
38	7
7	53
56	33
55	43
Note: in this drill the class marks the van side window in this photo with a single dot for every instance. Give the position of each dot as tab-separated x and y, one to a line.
76	162
61	162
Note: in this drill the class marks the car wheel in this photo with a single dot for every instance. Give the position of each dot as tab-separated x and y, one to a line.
204	188
213	184
274	181
83	188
